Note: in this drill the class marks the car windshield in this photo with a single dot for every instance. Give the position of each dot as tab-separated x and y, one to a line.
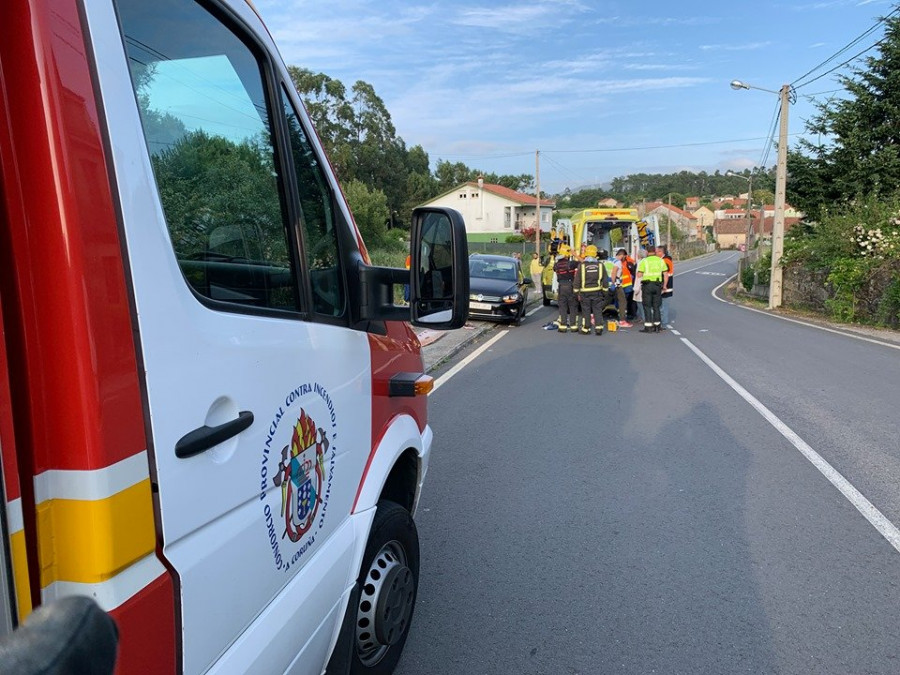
493	269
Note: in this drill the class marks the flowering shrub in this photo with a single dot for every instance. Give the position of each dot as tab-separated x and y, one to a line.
879	242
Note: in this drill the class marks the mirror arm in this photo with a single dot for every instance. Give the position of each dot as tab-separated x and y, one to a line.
377	285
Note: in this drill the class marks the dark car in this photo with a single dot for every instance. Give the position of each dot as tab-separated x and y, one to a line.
497	288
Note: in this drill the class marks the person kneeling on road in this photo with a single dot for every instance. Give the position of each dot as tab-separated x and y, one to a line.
591	283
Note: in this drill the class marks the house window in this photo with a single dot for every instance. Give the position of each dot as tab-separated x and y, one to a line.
507	216
462	195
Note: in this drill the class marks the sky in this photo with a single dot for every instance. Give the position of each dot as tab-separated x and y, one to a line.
601	89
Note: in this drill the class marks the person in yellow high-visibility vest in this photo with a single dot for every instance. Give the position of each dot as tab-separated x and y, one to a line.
654	274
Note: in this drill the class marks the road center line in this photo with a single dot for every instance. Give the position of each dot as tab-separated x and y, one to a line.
466	361
877	519
714	262
797	321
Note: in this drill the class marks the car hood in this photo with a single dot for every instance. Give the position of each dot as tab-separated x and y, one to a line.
496	287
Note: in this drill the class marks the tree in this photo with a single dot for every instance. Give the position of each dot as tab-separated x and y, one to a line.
370	211
857	147
331	114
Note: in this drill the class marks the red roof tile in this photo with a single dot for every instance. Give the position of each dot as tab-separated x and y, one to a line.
512	195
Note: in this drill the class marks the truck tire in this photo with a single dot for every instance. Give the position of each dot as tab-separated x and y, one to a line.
388	582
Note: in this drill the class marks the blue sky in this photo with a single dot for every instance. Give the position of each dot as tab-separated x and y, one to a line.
589	84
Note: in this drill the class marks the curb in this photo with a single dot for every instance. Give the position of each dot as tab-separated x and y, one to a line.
472	336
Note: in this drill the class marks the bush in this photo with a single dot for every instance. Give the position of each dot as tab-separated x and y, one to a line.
748	276
847	277
515	239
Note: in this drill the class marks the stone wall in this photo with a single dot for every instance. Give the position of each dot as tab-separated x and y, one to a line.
805	288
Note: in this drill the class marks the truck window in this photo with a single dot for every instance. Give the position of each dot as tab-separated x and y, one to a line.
317	214
202	101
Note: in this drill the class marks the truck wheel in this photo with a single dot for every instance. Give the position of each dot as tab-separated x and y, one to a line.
388	581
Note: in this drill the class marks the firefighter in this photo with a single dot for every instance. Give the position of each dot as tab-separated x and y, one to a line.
565	268
591	284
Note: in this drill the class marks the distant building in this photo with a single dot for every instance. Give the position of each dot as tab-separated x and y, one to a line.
691	203
492	212
705	218
608	203
730	233
683	220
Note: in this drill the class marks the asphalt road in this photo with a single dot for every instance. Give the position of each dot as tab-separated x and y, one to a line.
612	505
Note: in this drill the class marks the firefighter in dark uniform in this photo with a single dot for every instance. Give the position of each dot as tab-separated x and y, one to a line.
591	285
565	277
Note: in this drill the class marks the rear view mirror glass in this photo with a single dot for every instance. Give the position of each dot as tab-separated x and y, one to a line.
440	269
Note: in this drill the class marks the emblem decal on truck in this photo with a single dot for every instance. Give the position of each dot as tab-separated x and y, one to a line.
304	472
300	476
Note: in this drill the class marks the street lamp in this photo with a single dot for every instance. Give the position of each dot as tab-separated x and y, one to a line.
787	94
749	197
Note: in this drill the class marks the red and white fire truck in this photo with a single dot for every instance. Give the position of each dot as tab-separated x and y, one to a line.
212	414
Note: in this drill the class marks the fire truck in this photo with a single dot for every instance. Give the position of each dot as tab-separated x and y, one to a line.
212	413
607	229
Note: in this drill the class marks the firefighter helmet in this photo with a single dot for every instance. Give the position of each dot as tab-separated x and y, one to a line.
591	251
565	251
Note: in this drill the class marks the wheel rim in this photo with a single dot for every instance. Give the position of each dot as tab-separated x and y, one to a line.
385	604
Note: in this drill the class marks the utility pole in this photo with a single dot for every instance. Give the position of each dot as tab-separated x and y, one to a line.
537	179
669	227
749	219
780	184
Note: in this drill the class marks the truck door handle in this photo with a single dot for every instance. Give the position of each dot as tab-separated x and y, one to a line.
204	438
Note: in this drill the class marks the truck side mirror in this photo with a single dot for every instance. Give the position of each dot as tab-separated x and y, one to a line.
439	270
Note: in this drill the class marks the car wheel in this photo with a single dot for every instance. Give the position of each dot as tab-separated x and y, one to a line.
388	582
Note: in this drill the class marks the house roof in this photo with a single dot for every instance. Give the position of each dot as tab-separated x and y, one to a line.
769	223
739	226
652	206
512	195
729	226
499	190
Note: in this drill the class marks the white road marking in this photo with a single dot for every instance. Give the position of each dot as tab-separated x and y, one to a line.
541	306
694	269
877	519
466	361
674	332
802	323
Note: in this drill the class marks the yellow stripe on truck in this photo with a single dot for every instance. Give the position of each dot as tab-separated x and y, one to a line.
20	573
90	541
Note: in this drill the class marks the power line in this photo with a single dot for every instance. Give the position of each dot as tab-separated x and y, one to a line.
571	174
771	137
661	147
841	65
855	41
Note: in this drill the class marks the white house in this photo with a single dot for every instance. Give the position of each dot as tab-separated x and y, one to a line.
493	211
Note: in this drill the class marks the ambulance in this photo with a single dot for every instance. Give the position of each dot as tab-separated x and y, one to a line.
607	229
212	414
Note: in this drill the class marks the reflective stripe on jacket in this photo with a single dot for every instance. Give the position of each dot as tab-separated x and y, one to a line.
592	277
